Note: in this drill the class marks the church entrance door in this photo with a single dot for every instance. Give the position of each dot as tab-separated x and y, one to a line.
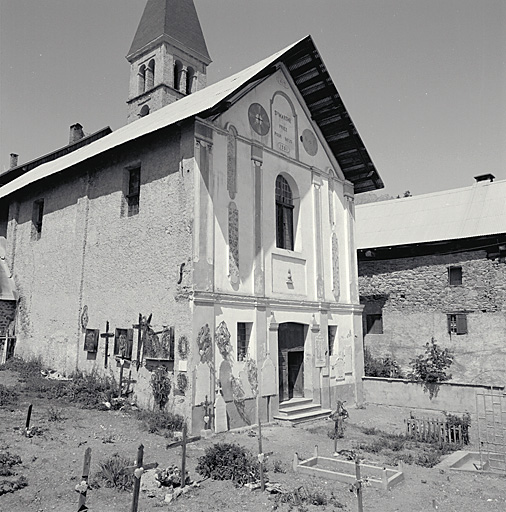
291	338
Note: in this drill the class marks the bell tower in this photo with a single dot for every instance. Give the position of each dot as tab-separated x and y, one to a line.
168	57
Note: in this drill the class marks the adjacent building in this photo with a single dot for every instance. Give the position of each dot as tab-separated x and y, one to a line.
434	265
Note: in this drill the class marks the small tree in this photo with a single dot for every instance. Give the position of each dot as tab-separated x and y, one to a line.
431	367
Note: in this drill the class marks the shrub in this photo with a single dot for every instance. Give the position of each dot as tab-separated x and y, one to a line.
89	389
381	367
464	421
279	466
311	493
6	462
161	386
229	461
432	365
160	421
55	414
113	472
7	395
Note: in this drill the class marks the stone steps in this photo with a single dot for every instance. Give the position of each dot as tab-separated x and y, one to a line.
299	410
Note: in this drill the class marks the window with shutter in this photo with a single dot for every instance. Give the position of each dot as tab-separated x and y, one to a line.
37	217
243	336
457	323
134	191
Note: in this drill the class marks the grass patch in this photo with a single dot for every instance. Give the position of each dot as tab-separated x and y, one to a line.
311	493
7	395
113	473
161	422
229	461
54	414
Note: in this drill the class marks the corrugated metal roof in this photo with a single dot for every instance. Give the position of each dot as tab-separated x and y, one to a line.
328	111
448	215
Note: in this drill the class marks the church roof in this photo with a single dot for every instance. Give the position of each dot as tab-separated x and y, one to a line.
476	211
314	83
175	20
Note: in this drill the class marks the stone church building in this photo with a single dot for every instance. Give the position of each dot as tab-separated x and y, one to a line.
223	214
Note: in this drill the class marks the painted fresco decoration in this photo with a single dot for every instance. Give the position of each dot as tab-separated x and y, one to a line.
204	341
123	343
284	129
226	380
182	382
233	243
239	397
222	337
84	317
335	267
159	345
309	142
232	162
259	119
183	346
91	340
252	372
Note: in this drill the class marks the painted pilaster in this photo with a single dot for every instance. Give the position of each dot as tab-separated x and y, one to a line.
274	351
352	253
203	245
258	266
261	354
320	285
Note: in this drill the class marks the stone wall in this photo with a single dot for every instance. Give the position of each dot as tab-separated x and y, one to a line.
414	297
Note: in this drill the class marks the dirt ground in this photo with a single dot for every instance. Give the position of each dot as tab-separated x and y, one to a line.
52	464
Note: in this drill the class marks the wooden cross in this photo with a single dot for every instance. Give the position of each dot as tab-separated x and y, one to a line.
82	488
357	486
106	335
141	326
137	471
261	456
183	443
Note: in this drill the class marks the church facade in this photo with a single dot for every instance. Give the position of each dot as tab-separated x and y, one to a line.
226	218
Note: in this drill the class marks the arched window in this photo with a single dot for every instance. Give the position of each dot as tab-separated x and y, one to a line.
142	79
190	75
284	214
178	67
144	111
150	75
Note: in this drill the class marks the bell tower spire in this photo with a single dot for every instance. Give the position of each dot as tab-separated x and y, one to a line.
168	56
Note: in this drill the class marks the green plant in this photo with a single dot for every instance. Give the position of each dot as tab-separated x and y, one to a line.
161	421
88	389
55	414
7	395
464	421
278	466
113	472
229	461
381	367
311	493
6	462
161	386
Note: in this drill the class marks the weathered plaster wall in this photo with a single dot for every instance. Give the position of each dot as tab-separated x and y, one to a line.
91	254
414	296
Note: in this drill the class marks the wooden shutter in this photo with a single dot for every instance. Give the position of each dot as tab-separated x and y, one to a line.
461	323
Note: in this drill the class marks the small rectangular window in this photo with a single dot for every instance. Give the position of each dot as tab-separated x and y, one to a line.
457	323
37	216
134	191
374	324
455	276
243	336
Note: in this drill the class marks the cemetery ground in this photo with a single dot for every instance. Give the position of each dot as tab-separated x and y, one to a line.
47	463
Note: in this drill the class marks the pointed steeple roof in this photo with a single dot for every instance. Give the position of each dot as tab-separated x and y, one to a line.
174	20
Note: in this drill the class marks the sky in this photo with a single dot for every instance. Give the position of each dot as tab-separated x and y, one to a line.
424	81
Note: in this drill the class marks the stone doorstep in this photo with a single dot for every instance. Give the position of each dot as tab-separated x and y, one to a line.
301	410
